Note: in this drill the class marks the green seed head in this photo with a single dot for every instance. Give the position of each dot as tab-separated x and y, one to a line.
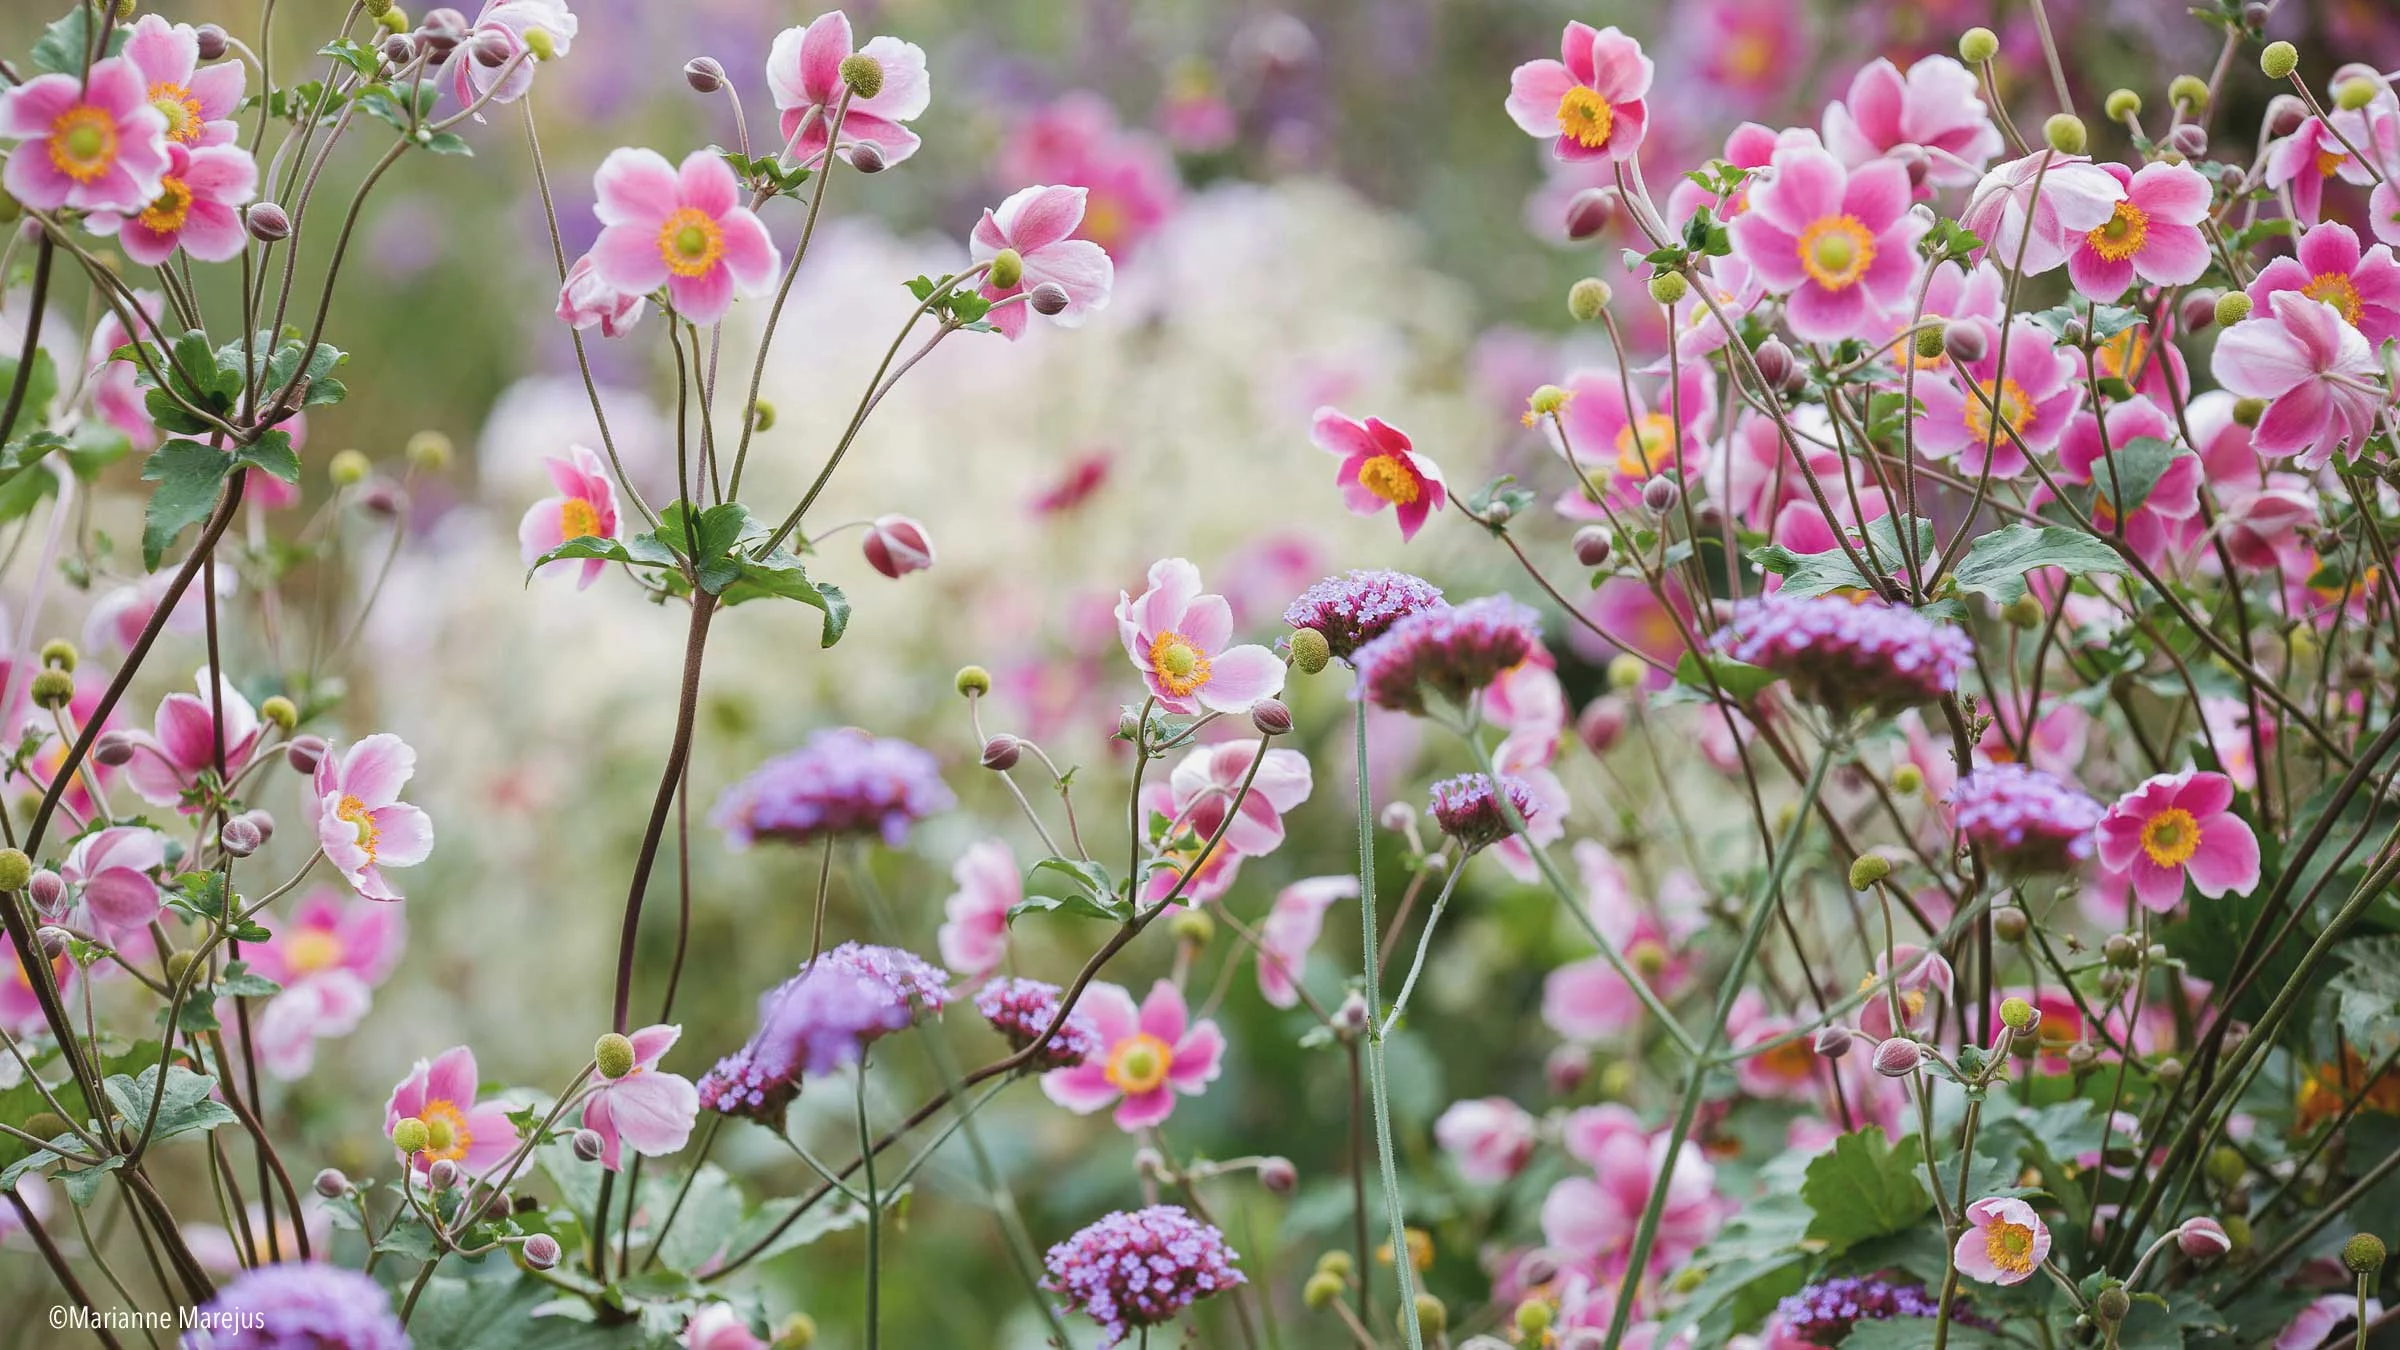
614	1054
2065	133
1978	45
2279	60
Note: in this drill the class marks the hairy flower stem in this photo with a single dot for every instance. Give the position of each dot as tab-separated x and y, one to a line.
1378	1085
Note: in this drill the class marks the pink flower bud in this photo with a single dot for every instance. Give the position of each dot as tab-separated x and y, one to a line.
897	546
541	1251
1565	1069
114	748
261	821
704	74
2203	1239
442	1175
1278	1175
53	940
1833	1042
1660	494
1271	717
1963	341
1590	211
1591	546
588	1145
399	49
48	891
209	39
2189	140
304	753
2285	113
1049	298
441	32
493	48
268	222
239	837
1774	361
2197	311
1603	723
1000	752
331	1184
866	158
1898	1057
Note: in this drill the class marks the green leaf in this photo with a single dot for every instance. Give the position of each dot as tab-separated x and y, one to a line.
1072	885
83	1185
184	1108
1738	678
711	1208
23	490
41	386
828	1217
410	1238
63	46
240	981
1864	1188
446	143
781	574
2367	993
1807	574
511	1311
189	476
1995	564
272	454
586	546
93	446
2129	472
1501	492
1915	1333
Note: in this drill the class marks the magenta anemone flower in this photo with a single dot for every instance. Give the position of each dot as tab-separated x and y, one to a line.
2318	375
804	73
118	397
198	102
1380	468
2084	457
1937	108
2005	1242
584	300
2037	391
1590	100
95	144
497	54
1076	141
647	1110
2152	233
109	873
974	935
2176	825
1841	242
1039	224
1290	930
1140	1269
328	956
2028	227
1595	1218
1176	637
585	508
2363	286
440	1094
1489	1139
682	228
198	208
362	824
168	760
1147	1055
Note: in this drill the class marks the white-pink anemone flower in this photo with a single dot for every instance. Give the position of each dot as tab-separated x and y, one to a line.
804	73
362	824
647	1109
94	144
198	208
1149	1054
182	743
683	228
1488	1139
497	54
2030	211
109	874
1178	637
584	300
1039	225
198	101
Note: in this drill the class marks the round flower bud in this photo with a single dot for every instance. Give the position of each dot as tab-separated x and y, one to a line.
1908	780
45	1125
1929	341
1591	546
2189	140
2279	60
53	689
704	74
179	964
2232	308
1978	45
410	1135
209	41
394	20
1588	299
239	837
1668	288
1566	1067
1774	360
59	654
1271	717
1008	268
1278	1175
2363	1254
863	73
1589	212
398	49
2247	411
588	1145
2354	93
2197	310
2188	91
348	468
331	1184
304	752
613	1054
2024	612
1352	1017
1533	1317
541	1251
261	821
1868	869
2285	113
2110	1305
2168	1071
48	892
1047	299
1001	752
376	9
2112	982
896	546
382	499
2121	951
1431	1315
2122	104
1323	1289
796	1332
114	748
53	940
1661	494
2203	1239
2226	1166
1546	400
1192	926
1898	1057
1963	341
2081	1056
2065	133
972	681
540	45
2018	1015
492	49
442	1175
2237	1231
430	450
2255	14
2009	924
866	157
1626	672
1336	1263
1832	1042
1309	651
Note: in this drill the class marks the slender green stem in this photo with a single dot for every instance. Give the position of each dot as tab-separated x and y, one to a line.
866	1150
1378	1085
1416	967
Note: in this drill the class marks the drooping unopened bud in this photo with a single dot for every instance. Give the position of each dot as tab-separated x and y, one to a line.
493	48
441	31
114	748
2009	924
541	1251
52	940
896	546
2197	310
1898	1057
1868	869
1774	362
1352	1017
411	1135
704	74
15	869
1592	545
1963	341
304	753
1978	45
863	73
1309	650
1001	752
1566	1067
1833	1042
588	1145
1278	1175
442	1175
239	837
2189	140
2285	113
1660	494
2074	333
2203	1239
2081	1056
1008	268
210	42
260	820
867	157
2279	60
1192	927
1590	211
2121	950
2018	1015
613	1055
1048	299
1271	717
331	1184
1587	300
398	49
48	892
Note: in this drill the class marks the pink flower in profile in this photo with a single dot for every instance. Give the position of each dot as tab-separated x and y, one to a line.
2363	286
499	51
1841	242
1629	611
1290	930
1380	468
2302	161
719	1327
2152	233
586	507
1148	1055
897	546
1039	225
2005	1242
645	1109
2028	211
95	144
2176	825
1488	1139
1590	100
115	386
2036	386
804	73
182	743
1194	801
584	300
2317	374
198	103
1594	1218
1936	108
328	956
198	208
1736	288
362	824
1176	637
974	932
2314	1327
1588	1000
441	1095
682	228
1922	989
109	873
2085	456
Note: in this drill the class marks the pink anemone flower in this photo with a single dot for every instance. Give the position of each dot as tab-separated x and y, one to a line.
2176	825
2318	375
1148	1055
1841	242
682	228
1921	989
95	144
2152	233
2005	1242
116	390
198	102
2302	161
2028	211
1039	225
110	873
1590	100
718	1327
2315	1326
1936	108
804	73
328	956
505	30
2034	385
20	1007
1380	468
182	743
1784	1070
1622	436
362	824
1290	930
440	1094
646	1110
1206	782
1489	1139
2085	456
586	507
584	300
1176	637
974	932
198	208
2363	286
1595	1218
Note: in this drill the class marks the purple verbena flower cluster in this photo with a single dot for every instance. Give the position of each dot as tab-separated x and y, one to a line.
1359	606
2026	821
1022	1009
1824	1312
1468	810
1849	657
1139	1268
819	1020
1453	650
842	781
298	1305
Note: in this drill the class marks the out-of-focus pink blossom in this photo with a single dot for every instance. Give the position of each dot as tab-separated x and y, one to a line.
974	932
110	875
2301	162
1076	141
896	546
182	743
1290	930
1488	1139
585	508
1936	108
328	956
1594	1218
2089	456
584	300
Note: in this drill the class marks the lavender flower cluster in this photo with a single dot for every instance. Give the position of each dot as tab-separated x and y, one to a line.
1468	809
1452	650
1140	1268
1360	606
2026	821
1021	1010
842	781
1825	1312
299	1305
819	1020
1849	657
